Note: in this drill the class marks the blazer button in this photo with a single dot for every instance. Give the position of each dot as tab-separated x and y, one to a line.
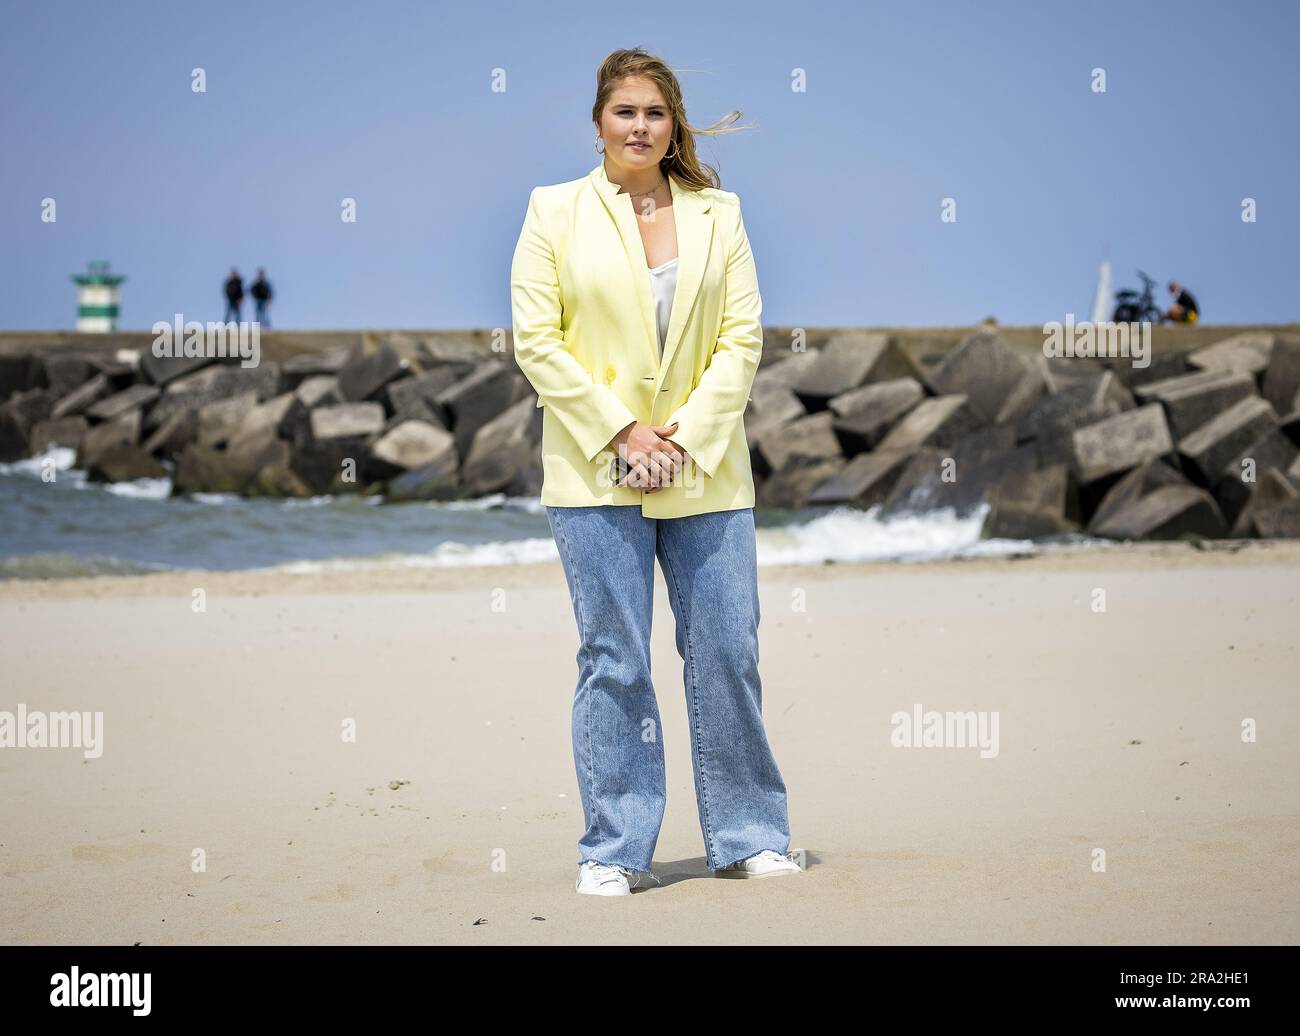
609	374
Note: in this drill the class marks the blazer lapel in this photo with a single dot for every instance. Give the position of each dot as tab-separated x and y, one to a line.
692	212
694	223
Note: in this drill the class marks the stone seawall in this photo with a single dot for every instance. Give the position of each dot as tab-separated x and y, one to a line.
1203	441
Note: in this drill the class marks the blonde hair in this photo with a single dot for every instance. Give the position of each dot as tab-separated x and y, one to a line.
684	164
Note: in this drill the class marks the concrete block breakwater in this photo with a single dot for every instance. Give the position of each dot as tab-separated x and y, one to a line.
1202	440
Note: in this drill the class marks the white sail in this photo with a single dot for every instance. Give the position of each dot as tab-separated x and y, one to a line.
1101	302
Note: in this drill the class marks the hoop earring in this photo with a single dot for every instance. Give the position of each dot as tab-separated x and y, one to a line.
599	150
674	154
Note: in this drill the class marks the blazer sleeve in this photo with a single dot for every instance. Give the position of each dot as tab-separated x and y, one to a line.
590	411
709	415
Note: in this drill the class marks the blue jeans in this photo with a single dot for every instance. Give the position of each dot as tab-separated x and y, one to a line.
711	571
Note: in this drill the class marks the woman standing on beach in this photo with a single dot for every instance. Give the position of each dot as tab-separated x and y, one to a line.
637	319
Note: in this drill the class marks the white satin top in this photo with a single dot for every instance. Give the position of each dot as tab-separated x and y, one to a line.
663	282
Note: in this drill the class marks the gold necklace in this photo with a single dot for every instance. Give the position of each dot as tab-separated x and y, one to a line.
646	194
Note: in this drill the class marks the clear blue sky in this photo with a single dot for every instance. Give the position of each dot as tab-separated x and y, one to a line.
907	103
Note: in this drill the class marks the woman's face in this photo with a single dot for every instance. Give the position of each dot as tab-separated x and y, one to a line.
636	114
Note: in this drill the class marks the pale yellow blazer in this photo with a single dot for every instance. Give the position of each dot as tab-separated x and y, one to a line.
585	337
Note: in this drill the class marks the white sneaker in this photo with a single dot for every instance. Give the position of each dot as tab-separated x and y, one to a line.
766	864
599	879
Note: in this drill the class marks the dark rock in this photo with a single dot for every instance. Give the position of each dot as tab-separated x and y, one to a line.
326	363
1282	378
268	419
985	370
102	437
1162	366
864	481
961	476
137	396
1121	442
18	373
1166	513
1275	490
409	348
413	444
1290	426
436	481
445	347
1147	476
1060	372
1081	403
1281	522
319	390
1191	400
850	359
1033	504
220	420
771	406
473	401
332	465
1211	447
1024	394
527	481
792	486
82	397
939	421
159	370
276	479
366	373
501	448
1248	353
13	437
347	420
20	415
124	463
865	414
206	469
785	373
254	449
65	371
211	385
1241	475
119	371
809	436
59	431
417	398
174	434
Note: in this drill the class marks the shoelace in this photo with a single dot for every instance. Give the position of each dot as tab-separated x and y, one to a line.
603	873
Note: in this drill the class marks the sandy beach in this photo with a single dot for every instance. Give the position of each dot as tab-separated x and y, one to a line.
453	815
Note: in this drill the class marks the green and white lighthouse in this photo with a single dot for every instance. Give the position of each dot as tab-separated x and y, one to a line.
97	297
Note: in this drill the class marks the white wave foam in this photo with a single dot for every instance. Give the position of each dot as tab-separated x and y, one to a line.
848	535
140	488
531	504
61	458
447	555
307	501
845	535
215	499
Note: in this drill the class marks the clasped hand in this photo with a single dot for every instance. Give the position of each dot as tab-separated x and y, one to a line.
653	459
